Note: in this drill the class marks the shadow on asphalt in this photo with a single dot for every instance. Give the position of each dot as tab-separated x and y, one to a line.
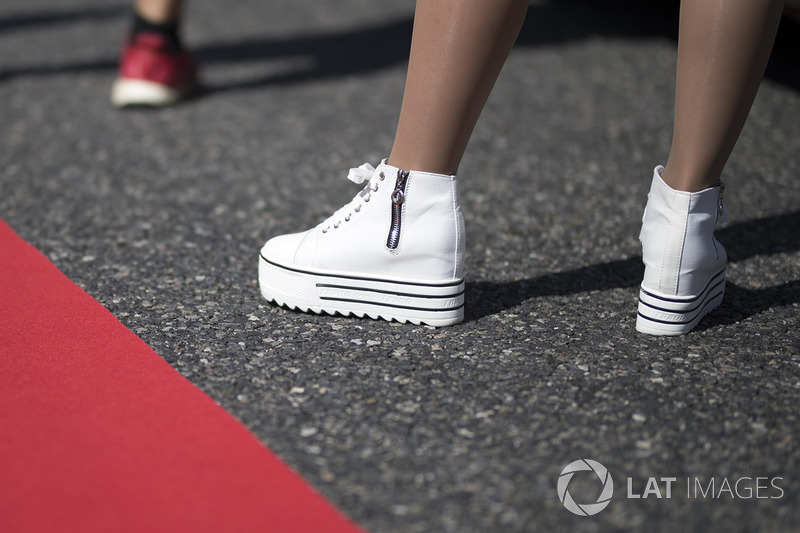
22	21
368	49
742	240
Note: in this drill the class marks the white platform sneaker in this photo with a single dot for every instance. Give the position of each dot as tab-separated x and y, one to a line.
684	276
394	252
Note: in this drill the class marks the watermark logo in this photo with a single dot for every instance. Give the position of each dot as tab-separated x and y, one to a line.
660	487
585	509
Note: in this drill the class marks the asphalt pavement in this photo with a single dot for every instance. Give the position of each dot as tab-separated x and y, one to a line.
160	215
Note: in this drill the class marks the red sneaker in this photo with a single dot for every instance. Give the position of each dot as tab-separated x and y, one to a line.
151	74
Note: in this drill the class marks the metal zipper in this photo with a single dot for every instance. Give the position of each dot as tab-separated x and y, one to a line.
720	207
398	197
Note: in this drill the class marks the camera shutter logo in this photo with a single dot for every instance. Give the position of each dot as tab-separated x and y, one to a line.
585	509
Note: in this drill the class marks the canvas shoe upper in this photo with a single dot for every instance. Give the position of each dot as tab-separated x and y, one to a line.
152	74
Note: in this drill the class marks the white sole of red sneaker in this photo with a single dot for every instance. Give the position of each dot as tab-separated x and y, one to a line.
660	314
131	92
418	302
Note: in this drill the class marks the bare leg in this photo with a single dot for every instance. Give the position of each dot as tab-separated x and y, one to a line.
159	11
457	51
723	50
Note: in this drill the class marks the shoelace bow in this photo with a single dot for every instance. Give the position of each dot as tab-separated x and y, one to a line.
356	175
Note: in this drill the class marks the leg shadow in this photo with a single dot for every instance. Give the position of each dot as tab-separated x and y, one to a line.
26	20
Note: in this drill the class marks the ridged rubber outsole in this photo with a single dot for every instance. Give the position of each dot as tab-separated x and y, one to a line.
418	302
660	314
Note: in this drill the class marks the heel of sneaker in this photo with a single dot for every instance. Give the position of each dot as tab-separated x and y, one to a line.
660	314
434	304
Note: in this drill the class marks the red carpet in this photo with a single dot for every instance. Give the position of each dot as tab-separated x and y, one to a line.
98	433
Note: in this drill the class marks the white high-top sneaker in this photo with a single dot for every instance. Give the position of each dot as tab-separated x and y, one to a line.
684	276
394	252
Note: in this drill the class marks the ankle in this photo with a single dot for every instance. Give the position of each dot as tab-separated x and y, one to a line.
169	29
688	181
425	165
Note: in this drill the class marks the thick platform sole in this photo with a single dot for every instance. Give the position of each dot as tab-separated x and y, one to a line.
660	314
418	302
130	92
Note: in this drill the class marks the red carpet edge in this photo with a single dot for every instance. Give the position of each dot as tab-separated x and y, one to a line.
99	433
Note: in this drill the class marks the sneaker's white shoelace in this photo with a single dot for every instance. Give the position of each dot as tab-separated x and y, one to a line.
356	175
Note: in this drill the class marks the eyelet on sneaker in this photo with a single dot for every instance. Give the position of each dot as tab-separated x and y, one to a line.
347	217
382	176
357	208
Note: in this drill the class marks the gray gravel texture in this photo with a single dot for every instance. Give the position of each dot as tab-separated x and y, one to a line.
159	215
